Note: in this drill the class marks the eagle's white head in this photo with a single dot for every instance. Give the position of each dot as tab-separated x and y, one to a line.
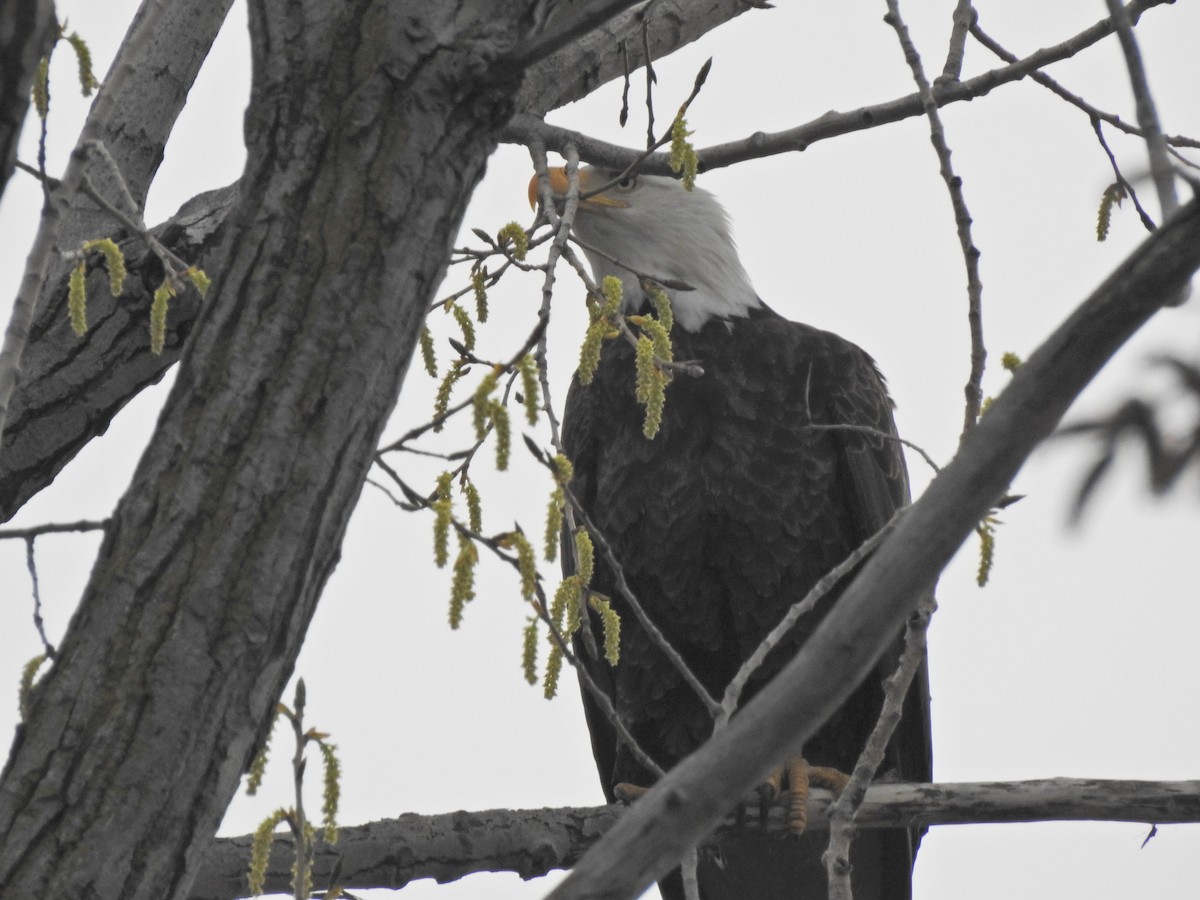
648	226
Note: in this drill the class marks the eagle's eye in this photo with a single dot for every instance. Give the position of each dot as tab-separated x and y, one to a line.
628	183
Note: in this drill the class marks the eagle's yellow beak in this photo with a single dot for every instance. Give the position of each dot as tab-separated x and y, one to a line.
559	184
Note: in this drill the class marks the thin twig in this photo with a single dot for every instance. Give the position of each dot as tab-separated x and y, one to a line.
1147	222
882	435
603	701
38	623
524	127
1147	114
652	631
54	528
561	225
1074	99
895	689
733	692
973	390
651	78
43	134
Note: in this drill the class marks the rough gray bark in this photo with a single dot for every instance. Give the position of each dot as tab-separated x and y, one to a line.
370	124
584	65
26	33
56	415
692	798
529	843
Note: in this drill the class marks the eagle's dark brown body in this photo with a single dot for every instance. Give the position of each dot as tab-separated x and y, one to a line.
723	521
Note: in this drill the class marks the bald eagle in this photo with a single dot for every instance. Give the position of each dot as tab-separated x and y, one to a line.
729	516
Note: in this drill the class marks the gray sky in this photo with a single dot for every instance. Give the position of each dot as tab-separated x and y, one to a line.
1077	660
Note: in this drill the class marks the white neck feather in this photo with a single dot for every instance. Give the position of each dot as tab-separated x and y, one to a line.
665	232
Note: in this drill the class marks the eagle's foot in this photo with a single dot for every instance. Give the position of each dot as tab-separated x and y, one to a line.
767	792
627	793
800	777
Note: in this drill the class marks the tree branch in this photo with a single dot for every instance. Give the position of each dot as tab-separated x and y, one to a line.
1147	113
525	127
393	852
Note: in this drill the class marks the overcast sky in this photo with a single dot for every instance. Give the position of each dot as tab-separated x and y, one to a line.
1077	660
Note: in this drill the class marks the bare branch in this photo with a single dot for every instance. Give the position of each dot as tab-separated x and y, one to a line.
54	528
1147	222
973	390
1147	114
964	15
843	818
525	127
38	623
393	852
1074	99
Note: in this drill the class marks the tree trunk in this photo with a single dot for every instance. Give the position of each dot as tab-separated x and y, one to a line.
370	123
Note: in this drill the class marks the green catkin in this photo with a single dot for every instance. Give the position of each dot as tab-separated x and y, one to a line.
554	520
428	356
258	768
558	500
651	386
1112	196
25	690
443	511
530	391
479	286
77	299
465	325
683	158
200	281
987	551
158	316
514	234
331	792
529	652
612	628
600	328
41	94
83	55
441	402
462	590
260	850
115	261
662	305
586	556
503	429
474	507
526	564
481	406
553	668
